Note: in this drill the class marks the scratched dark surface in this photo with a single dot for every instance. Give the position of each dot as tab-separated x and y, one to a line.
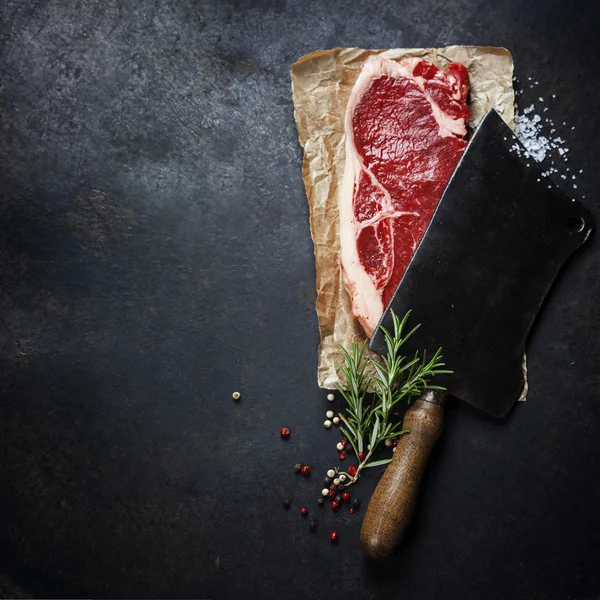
155	256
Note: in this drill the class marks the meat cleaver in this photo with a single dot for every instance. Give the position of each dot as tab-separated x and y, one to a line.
496	242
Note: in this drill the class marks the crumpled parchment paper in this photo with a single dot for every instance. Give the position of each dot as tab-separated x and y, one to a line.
321	85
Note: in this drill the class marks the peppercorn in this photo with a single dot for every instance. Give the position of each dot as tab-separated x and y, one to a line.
286	504
348	447
335	505
352	471
330	397
361	456
284	433
327	481
356	504
340	446
236	395
345	496
340	488
331	493
324	492
343	477
336	420
297	468
331	473
342	455
338	499
351	511
304	512
312	524
333	536
327	424
305	470
321	501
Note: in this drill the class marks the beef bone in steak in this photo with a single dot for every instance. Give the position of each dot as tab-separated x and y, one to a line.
405	128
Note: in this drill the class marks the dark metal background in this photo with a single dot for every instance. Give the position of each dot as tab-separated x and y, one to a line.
155	256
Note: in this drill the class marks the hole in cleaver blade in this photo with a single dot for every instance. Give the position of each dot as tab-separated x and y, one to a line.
497	241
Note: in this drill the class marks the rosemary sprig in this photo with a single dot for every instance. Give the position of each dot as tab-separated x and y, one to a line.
370	398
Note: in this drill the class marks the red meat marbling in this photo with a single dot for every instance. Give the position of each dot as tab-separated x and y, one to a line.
405	128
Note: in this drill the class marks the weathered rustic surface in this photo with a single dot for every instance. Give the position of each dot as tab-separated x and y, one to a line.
155	256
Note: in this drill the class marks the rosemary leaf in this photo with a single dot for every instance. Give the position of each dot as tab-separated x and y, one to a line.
372	388
377	463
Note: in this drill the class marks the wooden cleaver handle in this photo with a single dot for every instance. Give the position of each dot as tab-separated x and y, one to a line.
393	503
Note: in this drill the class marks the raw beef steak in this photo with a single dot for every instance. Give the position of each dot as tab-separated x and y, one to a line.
405	128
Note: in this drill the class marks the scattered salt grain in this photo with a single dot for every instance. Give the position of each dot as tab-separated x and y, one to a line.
531	128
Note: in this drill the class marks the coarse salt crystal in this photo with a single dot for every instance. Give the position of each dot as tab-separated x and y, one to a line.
530	125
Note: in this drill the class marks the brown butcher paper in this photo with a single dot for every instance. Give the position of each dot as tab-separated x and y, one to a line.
321	85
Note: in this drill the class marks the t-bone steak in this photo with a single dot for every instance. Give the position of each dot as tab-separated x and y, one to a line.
405	128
